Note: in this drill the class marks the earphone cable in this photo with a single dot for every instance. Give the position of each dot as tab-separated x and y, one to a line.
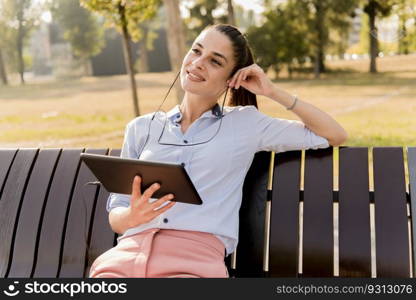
164	124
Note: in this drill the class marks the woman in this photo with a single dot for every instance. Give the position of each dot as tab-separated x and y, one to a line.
163	238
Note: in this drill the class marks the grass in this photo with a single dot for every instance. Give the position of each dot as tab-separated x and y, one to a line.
376	110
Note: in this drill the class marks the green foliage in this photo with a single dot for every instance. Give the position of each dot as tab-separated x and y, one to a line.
363	46
339	18
124	13
406	11
381	8
328	18
28	59
298	30
281	39
80	28
18	18
201	14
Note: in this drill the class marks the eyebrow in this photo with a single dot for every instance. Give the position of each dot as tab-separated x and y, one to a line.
215	53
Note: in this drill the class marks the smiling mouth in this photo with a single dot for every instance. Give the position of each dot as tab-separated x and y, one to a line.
193	77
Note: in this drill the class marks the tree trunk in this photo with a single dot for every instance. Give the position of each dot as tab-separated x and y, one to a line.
231	16
3	74
19	45
403	40
276	70
143	52
319	66
87	67
373	36
176	42
290	70
128	59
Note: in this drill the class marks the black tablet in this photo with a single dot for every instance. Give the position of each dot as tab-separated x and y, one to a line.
116	174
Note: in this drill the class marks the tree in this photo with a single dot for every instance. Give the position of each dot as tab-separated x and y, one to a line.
126	16
304	26
143	60
324	14
149	29
80	28
405	9
374	8
3	74
338	36
231	16
176	42
281	38
201	14
20	18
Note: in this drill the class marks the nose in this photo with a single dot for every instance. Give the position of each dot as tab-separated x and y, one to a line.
198	62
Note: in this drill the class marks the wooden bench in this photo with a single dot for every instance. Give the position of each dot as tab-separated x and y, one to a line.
53	224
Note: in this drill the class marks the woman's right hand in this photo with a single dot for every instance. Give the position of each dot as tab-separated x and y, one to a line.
141	210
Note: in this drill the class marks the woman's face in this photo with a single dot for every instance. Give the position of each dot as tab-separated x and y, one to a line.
211	60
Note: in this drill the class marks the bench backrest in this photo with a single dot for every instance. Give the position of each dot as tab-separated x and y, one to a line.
53	225
314	230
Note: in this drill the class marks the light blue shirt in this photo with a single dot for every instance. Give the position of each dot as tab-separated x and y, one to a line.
217	168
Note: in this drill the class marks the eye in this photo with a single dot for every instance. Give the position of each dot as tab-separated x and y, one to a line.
214	60
217	62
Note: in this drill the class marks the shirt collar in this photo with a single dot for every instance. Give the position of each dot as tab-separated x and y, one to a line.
175	115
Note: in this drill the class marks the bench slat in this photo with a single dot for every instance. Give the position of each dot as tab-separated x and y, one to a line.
51	235
284	223
102	236
10	203
31	213
318	239
411	163
78	224
6	160
392	243
249	260
354	213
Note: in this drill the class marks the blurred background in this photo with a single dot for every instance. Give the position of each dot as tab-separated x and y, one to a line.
74	73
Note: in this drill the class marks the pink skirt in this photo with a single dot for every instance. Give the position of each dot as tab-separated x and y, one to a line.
157	253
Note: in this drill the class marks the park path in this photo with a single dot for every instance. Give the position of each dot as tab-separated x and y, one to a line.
370	102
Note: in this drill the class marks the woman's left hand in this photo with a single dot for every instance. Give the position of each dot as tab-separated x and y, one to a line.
252	78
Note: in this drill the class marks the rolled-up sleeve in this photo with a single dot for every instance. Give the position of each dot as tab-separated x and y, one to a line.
128	150
281	135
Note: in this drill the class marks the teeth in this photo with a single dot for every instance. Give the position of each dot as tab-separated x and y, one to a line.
194	76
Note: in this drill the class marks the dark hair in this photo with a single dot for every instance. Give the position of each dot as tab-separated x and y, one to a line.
243	58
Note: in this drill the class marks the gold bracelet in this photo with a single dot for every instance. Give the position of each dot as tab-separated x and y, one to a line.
294	103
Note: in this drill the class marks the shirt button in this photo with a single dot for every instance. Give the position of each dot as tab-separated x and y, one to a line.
185	141
165	220
183	164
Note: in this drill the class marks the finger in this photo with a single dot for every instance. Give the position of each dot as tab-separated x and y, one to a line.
240	76
150	190
160	201
232	83
249	73
136	189
163	209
